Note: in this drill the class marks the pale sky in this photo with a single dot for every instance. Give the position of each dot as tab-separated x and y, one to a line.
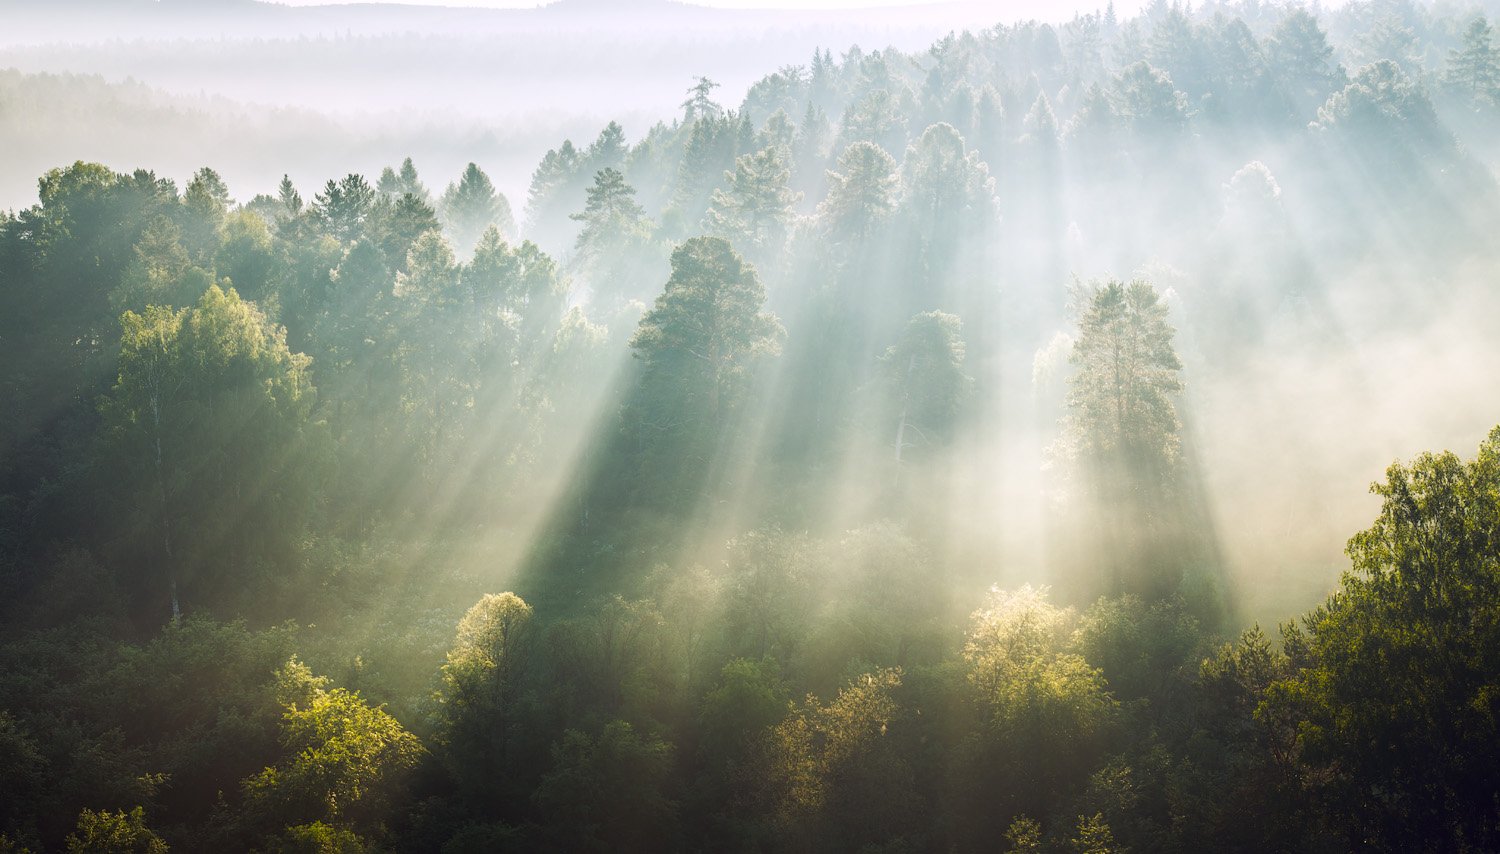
1018	7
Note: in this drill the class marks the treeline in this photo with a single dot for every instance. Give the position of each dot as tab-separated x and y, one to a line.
258	459
680	721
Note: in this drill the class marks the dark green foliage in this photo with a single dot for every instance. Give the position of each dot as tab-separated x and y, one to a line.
925	381
606	792
343	207
698	348
1394	683
207	427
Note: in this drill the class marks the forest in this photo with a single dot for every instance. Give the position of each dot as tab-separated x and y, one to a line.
1035	442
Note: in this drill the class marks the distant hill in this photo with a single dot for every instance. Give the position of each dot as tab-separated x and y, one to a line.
130	125
39	20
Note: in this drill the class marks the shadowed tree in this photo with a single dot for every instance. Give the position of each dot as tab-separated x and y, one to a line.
398	223
948	208
207	202
439	331
697	346
608	792
485	707
248	257
925	381
1121	432
208	429
160	273
707	327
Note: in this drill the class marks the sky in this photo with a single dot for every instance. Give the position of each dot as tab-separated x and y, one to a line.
1020	7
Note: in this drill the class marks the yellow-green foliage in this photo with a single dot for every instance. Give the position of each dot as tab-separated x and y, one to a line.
346	755
816	742
107	832
485	644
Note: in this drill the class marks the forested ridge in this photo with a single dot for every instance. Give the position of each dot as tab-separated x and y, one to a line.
901	460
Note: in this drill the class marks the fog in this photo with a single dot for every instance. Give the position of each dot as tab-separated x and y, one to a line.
744	354
1295	399
383	82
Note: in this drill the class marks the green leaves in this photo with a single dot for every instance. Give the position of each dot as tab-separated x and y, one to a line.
1125	373
346	757
107	832
208	422
488	647
1395	686
473	205
862	194
707	328
755	209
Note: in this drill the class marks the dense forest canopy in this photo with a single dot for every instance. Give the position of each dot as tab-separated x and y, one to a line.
936	450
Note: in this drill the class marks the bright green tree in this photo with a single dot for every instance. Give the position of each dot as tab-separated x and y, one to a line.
484	711
1045	712
345	758
835	771
107	832
1393	682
